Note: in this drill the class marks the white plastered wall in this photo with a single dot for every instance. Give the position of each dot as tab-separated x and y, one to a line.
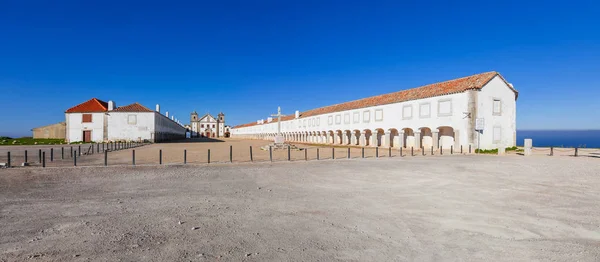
75	127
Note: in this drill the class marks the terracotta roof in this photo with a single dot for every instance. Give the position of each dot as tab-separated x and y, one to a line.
135	107
92	105
438	89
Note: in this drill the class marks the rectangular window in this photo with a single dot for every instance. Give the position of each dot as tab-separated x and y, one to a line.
356	117
407	112
338	119
318	121
425	110
379	115
445	108
497	134
347	118
330	120
132	119
86	118
497	107
366	116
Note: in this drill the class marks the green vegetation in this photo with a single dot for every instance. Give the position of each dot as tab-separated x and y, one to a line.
495	151
7	141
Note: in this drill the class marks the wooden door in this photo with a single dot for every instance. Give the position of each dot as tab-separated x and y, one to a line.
87	136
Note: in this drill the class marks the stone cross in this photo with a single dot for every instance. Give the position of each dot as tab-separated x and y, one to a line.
278	115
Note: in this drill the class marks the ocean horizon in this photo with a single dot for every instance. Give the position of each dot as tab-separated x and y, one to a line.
560	138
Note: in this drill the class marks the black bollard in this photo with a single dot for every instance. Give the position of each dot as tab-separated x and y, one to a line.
348	153
44	159
51	154
306	154
289	156
160	156
576	149
71	151
97	148
441	150
270	154
317	153
401	152
25	156
422	150
389	152
75	159
133	157
105	158
40	156
451	150
62	153
461	151
376	152
251	158
432	150
551	151
362	152
184	156
209	156
230	154
469	149
79	150
333	153
8	163
412	151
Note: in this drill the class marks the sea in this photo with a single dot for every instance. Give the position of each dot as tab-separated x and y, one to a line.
560	138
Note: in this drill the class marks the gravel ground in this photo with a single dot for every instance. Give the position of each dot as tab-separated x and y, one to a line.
450	208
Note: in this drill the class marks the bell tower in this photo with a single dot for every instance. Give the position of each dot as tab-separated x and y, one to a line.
221	124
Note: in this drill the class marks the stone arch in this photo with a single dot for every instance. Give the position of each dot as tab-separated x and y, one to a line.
446	136
338	137
394	138
409	137
330	137
367	134
355	137
347	137
426	138
378	136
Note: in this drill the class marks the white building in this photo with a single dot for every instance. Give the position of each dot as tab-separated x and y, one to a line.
438	115
99	121
207	125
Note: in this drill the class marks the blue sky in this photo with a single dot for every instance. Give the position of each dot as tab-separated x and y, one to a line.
247	57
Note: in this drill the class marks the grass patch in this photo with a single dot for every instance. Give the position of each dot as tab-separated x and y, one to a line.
7	141
495	151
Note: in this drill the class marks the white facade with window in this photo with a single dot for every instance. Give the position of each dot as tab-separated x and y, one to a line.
446	120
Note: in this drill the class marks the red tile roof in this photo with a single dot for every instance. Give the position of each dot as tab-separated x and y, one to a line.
438	89
135	107
92	105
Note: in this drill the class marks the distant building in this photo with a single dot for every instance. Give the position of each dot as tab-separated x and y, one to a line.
54	131
99	121
445	114
207	125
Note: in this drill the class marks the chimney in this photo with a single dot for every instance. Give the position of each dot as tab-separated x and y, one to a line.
297	114
269	120
167	114
111	105
172	117
157	108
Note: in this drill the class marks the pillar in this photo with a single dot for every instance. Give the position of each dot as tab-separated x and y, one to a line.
456	139
344	138
363	138
324	138
374	134
401	135
353	138
386	139
528	145
417	139
435	136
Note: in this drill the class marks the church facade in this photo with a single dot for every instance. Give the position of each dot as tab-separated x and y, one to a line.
208	125
444	114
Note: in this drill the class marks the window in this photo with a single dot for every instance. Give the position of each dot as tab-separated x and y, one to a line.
407	112
366	116
202	126
213	126
445	107
338	119
497	107
330	120
318	121
132	119
379	115
425	110
497	134
86	118
347	118
356	117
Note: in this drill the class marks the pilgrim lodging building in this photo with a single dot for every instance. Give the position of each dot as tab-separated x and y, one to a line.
443	114
99	121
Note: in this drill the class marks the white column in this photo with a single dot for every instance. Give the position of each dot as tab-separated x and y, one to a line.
353	138
344	138
435	136
386	138
456	140
373	138
417	139
363	138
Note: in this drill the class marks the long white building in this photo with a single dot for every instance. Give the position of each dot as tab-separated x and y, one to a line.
438	115
99	121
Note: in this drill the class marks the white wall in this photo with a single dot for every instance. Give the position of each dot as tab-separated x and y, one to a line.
75	127
497	89
166	128
120	129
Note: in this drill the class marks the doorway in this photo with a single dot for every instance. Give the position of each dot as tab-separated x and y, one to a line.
87	136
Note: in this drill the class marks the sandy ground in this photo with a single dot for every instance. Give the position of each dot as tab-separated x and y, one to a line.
450	208
197	153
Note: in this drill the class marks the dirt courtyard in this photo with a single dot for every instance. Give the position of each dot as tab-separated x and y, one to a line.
437	208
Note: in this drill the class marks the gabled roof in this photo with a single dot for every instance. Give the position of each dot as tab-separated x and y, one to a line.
135	107
207	114
459	85
92	105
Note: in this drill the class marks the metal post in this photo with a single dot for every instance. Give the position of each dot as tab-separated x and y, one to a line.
44	159
317	153
71	151
251	158
469	149
209	156
461	151
62	153
451	150
97	148
412	151
289	157
230	154
401	152
348	153
432	150
576	149
133	157
25	156
80	150
389	152
441	150
270	154
333	153
8	163
51	154
551	151
40	156
376	152
422	150
306	154
184	156
75	158
105	158
362	152
160	156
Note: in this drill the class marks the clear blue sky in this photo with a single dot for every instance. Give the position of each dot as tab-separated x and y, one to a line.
247	57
